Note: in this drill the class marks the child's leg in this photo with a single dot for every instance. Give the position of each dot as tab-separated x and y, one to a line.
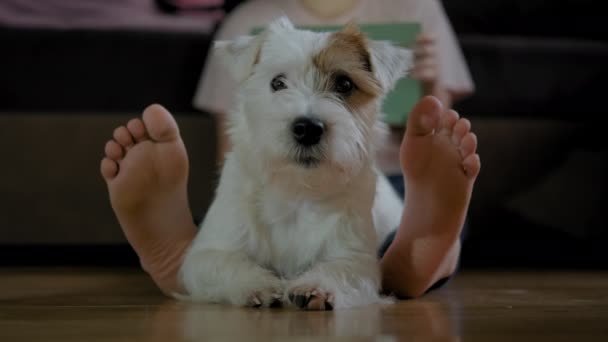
146	170
398	184
440	166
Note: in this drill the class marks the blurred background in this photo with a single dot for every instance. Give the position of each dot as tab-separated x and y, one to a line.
71	71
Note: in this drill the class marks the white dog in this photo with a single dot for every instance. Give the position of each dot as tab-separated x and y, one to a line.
300	207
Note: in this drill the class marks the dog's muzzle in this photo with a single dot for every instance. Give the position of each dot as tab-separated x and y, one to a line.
307	131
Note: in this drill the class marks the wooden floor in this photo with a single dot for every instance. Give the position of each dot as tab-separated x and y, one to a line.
122	304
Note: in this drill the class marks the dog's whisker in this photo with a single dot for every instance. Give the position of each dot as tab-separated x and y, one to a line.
306	185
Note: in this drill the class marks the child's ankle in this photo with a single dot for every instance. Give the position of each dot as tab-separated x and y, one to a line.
163	263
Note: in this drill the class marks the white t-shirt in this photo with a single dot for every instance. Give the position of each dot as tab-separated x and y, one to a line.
217	89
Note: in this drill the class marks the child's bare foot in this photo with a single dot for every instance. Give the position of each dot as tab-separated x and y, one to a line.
439	161
146	170
440	166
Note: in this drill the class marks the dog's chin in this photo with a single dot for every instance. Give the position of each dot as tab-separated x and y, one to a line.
307	162
308	158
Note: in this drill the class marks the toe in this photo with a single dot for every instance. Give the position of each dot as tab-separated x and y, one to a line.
319	303
311	300
137	129
109	168
472	165
159	124
123	137
114	151
461	128
254	302
299	300
448	120
302	301
468	145
424	118
276	303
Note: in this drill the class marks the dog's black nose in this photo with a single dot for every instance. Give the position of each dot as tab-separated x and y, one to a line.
307	131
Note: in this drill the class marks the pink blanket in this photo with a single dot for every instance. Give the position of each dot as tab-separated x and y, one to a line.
104	14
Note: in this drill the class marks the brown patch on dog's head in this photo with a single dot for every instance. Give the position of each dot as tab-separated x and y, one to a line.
347	54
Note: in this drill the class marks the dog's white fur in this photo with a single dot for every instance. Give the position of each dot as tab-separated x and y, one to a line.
277	225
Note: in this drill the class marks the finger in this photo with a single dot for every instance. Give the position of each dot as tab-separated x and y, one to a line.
426	38
424	75
425	51
427	63
425	70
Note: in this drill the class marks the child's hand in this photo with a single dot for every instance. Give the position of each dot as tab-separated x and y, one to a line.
426	66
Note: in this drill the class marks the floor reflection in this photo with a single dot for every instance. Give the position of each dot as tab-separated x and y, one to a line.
416	319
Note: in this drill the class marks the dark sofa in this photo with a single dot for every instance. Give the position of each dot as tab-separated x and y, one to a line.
63	92
539	69
540	72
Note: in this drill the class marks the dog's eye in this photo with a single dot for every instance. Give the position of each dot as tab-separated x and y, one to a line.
278	83
343	85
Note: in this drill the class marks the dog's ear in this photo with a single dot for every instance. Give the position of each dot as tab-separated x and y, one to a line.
239	55
281	24
389	62
243	53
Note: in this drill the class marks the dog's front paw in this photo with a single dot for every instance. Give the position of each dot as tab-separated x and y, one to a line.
269	297
311	298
